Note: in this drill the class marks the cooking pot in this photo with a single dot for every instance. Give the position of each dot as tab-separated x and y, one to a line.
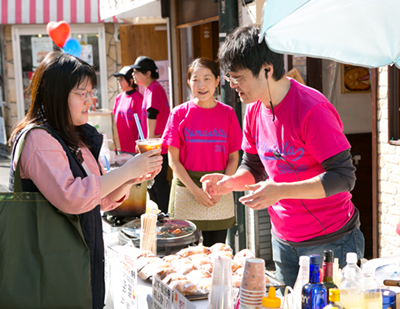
135	205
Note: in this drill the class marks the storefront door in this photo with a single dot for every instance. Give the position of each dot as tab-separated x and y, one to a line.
31	44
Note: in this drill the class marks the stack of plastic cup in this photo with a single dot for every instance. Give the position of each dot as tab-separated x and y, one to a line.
221	285
252	289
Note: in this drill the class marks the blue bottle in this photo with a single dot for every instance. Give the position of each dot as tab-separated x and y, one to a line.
314	293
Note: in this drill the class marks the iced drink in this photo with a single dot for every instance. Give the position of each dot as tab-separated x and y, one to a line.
148	144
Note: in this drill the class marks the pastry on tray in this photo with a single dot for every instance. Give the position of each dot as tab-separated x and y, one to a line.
220	247
193	250
186	287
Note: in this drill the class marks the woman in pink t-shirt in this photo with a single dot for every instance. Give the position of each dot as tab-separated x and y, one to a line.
154	117
126	105
203	136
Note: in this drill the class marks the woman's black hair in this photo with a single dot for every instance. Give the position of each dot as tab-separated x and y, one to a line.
203	62
154	74
50	87
241	50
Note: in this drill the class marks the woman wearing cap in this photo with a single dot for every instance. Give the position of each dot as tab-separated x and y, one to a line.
126	105
155	113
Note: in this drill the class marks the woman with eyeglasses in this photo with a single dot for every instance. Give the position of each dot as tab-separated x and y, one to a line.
63	164
203	136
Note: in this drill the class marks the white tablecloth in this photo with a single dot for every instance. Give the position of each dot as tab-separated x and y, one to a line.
144	287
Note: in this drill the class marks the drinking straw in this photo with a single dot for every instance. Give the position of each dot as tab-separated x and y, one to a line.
138	126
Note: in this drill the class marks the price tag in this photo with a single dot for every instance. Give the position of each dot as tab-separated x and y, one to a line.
181	302
126	283
162	295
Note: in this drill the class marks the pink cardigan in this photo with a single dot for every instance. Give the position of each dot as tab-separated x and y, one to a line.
44	161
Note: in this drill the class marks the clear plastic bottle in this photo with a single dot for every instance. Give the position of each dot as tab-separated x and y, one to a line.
351	259
334	298
351	292
372	289
303	278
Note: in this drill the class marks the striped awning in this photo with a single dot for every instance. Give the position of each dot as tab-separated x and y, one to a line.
44	11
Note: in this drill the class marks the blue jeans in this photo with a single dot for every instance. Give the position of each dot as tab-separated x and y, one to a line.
286	258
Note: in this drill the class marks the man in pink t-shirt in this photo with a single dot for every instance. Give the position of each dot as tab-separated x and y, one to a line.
296	162
154	117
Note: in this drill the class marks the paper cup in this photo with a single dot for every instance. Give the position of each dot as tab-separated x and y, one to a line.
243	306
251	298
252	293
251	301
254	275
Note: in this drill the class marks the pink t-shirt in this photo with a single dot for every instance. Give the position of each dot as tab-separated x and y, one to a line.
204	136
154	96
44	161
307	130
124	108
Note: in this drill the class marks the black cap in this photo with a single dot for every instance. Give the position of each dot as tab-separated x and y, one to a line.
328	256
126	71
144	63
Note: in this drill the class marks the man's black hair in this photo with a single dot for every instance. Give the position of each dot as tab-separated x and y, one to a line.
241	50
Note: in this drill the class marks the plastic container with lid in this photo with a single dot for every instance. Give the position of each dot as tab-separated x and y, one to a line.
271	301
388	299
352	259
371	288
303	278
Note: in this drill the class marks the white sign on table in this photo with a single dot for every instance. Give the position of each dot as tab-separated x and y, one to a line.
162	294
181	302
125	283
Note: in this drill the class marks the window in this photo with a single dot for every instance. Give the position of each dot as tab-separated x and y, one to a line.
31	44
394	105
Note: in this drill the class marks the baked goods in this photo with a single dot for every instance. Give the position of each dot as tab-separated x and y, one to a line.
190	270
220	247
193	250
242	255
186	287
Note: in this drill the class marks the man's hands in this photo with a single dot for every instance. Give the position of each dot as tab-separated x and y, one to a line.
263	195
217	184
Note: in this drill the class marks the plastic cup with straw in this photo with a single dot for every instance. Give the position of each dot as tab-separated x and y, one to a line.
146	144
139	127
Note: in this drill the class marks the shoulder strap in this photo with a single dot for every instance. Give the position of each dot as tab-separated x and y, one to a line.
21	140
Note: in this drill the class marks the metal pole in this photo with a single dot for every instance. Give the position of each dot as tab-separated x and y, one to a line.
228	21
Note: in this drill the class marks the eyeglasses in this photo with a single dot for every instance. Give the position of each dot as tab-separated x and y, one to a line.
235	81
84	94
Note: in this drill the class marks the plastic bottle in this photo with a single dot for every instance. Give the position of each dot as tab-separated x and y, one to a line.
271	301
351	259
371	288
327	267
302	279
314	293
105	155
334	299
351	293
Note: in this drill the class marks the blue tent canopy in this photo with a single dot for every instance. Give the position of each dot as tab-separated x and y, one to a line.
359	32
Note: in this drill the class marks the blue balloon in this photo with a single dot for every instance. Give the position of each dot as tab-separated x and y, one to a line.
72	47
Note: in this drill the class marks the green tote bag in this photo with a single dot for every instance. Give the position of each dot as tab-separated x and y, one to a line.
44	260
